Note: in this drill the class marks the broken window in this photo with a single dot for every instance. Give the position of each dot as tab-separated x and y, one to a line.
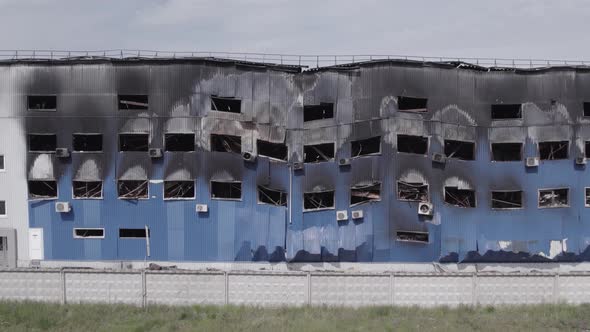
587	109
412	144
318	200
553	150
42	189
272	150
133	233
587	197
42	103
460	150
133	142
88	233
226	104
132	189
412	104
507	199
87	189
365	193
133	102
506	151
42	142
365	147
412	191
87	142
226	190
506	111
3	208
2	163
226	143
460	197
179	142
553	198
273	197
318	152
409	236
179	189
318	112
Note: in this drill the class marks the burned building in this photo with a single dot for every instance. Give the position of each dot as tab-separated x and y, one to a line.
204	159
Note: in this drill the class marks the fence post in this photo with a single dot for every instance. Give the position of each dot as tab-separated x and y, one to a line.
62	279
392	288
143	290
556	288
474	295
308	288
226	288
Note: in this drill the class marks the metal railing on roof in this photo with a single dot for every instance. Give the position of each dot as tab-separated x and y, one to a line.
304	60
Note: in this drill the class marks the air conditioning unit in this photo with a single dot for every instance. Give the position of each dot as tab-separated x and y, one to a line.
580	160
62	207
532	161
201	208
439	158
297	166
357	214
62	153
344	162
249	157
341	215
425	209
155	153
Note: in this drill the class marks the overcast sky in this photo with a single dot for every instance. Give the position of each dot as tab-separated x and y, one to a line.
557	29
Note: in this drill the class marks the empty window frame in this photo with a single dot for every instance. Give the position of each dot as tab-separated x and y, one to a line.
587	197
506	151
315	201
226	143
226	104
2	167
42	142
464	198
271	196
507	199
134	142
42	189
412	104
87	142
87	189
553	198
586	149
506	111
276	151
179	142
553	150
318	152
228	190
360	194
2	208
412	191
409	236
132	189
365	147
88	233
460	149
318	112
412	144
179	189
133	102
586	106
42	103
133	233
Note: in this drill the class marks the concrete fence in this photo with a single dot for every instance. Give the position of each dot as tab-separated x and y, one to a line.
144	288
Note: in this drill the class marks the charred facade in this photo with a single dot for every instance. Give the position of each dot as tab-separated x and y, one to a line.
273	152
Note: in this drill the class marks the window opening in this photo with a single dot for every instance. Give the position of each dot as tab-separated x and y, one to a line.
226	143
460	150
179	189
365	193
87	189
42	142
506	111
42	103
3	208
87	142
179	142
553	198
89	233
586	108
365	147
271	196
408	236
412	104
272	150
318	200
226	190
412	144
412	191
133	142
133	233
460	197
553	150
506	151
318	152
42	189
586	149
2	163
318	112
132	189
226	104
507	199
133	102
587	197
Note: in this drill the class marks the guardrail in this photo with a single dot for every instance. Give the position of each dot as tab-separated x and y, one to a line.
304	60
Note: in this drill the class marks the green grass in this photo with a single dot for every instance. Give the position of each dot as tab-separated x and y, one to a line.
30	316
